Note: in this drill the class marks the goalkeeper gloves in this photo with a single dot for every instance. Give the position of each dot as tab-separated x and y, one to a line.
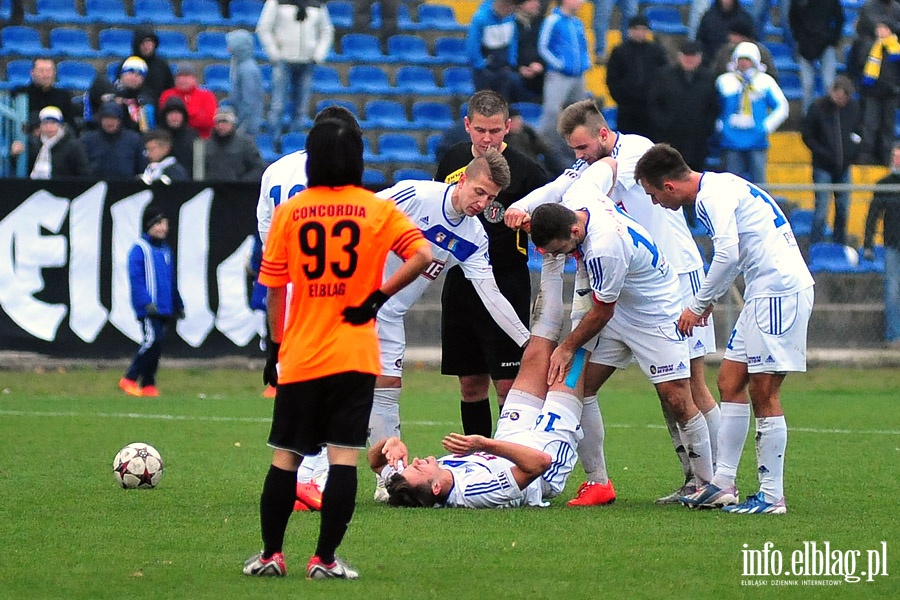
365	312
270	371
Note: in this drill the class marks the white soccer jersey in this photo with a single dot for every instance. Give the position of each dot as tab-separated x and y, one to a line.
738	213
625	266
482	480
281	180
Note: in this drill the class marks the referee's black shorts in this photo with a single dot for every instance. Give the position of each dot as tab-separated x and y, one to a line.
329	410
471	341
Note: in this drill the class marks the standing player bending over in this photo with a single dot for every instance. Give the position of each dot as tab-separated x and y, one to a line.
751	236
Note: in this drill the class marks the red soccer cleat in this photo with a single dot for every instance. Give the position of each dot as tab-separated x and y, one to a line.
592	493
310	495
150	391
269	392
130	387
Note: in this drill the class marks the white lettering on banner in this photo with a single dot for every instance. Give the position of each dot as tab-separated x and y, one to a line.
193	256
28	253
234	318
126	217
87	315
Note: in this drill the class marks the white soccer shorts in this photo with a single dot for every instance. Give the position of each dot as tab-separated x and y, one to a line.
661	351
703	340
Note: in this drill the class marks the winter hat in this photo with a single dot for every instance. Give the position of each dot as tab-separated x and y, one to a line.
225	113
50	113
746	50
110	109
152	216
134	64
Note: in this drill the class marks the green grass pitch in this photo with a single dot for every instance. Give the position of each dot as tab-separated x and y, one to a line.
68	532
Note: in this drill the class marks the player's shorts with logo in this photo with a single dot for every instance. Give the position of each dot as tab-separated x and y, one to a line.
703	340
660	350
471	341
770	333
329	410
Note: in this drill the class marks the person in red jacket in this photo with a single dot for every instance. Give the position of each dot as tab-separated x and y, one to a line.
201	103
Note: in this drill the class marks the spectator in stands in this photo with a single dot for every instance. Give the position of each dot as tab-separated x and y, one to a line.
717	22
296	37
138	112
174	119
112	151
872	13
492	48
563	47
390	11
817	26
17	12
53	151
201	103
245	78
741	31
879	85
231	155
632	69
684	104
698	9
161	166
829	132
42	92
529	142
531	66
887	205
159	74
753	106
602	18
225	8
762	12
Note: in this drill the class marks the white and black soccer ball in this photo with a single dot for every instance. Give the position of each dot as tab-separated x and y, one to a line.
138	465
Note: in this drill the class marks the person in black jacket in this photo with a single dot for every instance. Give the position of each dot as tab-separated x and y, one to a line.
162	165
159	73
173	118
717	22
828	131
684	104
53	151
531	66
114	152
42	92
231	155
816	26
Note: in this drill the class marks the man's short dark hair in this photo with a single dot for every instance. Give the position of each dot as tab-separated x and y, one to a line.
585	113
551	222
487	103
660	163
159	135
334	154
341	113
401	493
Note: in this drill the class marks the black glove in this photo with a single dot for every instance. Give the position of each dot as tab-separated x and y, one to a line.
151	309
270	371
365	312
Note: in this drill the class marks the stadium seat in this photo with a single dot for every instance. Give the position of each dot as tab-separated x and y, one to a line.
55	11
400	147
115	41
665	19
69	41
411	49
245	13
872	266
801	222
341	13
531	112
374	178
417	80
156	12
201	12
75	75
833	258
385	114
789	83
431	144
368	79
327	80
783	57
18	73
212	45
450	50
411	174
21	40
369	156
266	145
458	80
361	48
112	70
292	142
438	17
106	12
431	115
216	77
351	106
173	44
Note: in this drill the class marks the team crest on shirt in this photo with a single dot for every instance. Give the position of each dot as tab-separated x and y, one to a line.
398	364
493	212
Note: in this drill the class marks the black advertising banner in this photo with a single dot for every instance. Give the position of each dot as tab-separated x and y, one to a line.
64	287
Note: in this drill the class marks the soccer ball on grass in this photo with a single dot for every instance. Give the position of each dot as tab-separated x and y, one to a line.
138	465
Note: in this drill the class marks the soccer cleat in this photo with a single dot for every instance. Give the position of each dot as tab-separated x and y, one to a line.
592	493
265	567
299	506
381	493
710	496
150	391
129	386
675	497
756	504
309	494
269	392
316	569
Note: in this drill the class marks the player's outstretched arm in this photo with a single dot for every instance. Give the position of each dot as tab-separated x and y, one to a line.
530	463
501	310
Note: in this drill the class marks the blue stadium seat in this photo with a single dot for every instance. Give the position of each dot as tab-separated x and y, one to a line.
351	106
833	258
212	45
431	115
18	73
789	83
216	77
173	44
107	12
75	75
115	41
431	144
69	41
873	266
407	48
112	70
458	80
417	80
245	13
55	11
374	178
266	145
782	56
369	156
201	12
385	114
451	50
341	13
327	80
361	47
266	72
21	40
368	79
411	174
157	12
801	222
439	17
531	112
666	19
400	147
292	142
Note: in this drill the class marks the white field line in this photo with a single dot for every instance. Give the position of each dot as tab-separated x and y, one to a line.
444	424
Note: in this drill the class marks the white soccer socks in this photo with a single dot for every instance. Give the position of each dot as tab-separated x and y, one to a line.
695	437
678	445
713	422
590	448
547	314
384	421
732	435
771	442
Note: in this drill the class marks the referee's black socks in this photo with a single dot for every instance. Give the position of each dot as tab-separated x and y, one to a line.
476	417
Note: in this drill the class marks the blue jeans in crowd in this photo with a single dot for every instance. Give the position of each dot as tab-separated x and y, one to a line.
749	164
891	294
827	64
297	77
823	200
602	15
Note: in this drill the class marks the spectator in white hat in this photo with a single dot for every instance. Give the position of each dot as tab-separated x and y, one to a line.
55	152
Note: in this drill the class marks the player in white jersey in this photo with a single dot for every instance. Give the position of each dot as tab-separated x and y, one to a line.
636	303
750	236
280	181
444	213
588	134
